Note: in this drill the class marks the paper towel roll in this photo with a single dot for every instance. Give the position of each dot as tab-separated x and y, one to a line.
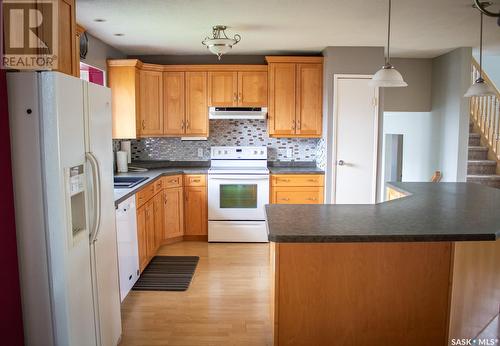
125	146
121	161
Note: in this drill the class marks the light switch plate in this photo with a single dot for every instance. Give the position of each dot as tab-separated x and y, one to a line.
289	153
200	152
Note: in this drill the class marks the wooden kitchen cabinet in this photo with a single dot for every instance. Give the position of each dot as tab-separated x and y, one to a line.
142	238
174	103
196	104
151	103
173	203
159	216
68	61
295	96
195	208
237	88
223	89
123	79
297	189
252	88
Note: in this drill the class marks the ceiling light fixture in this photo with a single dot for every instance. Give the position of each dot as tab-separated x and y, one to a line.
481	6
479	87
388	76
219	43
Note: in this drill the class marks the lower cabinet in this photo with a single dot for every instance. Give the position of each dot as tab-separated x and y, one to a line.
173	211
163	213
145	227
195	205
297	189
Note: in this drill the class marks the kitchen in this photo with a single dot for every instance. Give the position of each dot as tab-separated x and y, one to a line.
219	194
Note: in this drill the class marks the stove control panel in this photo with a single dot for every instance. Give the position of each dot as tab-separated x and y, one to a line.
238	153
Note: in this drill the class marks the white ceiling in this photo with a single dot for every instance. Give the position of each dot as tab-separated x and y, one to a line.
420	28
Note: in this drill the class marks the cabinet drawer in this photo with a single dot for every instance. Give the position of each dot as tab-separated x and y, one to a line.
172	181
145	194
297	180
195	180
158	185
297	195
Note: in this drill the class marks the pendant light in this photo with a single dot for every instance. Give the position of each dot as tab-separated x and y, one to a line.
479	87
388	76
219	43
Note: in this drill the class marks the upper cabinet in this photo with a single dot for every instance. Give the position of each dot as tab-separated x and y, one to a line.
295	96
238	88
151	103
172	100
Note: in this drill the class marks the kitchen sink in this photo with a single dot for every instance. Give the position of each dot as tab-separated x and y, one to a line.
128	182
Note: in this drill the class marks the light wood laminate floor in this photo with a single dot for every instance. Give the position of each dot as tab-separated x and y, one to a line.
227	303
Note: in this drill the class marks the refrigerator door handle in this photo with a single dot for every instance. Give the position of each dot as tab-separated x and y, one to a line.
96	178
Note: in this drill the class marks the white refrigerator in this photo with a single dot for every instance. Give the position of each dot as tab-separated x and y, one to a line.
62	161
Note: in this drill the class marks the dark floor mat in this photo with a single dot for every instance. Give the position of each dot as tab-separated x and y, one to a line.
167	273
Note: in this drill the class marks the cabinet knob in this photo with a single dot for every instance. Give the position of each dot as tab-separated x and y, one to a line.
187	124
284	199
341	162
235	97
240	96
144	124
298	124
293	124
182	124
311	199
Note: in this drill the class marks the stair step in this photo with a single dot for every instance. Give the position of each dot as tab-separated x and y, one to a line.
478	153
481	167
491	180
474	139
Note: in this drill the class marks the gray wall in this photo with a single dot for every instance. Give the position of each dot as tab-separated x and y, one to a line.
345	60
99	52
450	80
417	96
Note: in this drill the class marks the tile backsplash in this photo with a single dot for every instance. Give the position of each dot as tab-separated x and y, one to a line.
225	133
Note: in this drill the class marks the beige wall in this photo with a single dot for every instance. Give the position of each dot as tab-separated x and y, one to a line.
417	96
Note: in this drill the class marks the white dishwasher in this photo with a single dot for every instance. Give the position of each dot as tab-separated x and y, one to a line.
128	253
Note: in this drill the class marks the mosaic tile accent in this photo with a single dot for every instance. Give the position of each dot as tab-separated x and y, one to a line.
321	154
225	133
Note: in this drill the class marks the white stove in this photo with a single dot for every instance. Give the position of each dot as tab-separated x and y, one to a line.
238	190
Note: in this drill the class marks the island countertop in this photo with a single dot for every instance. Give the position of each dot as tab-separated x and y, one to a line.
429	212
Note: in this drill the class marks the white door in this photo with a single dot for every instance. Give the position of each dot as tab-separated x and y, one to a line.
355	149
104	249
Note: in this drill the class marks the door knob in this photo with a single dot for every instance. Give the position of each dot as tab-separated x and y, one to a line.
341	162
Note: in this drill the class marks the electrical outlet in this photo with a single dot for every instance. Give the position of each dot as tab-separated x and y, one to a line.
200	152
289	153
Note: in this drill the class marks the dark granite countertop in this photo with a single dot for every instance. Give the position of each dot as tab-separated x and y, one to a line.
430	212
294	167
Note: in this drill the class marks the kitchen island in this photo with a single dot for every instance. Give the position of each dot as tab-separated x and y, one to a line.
419	270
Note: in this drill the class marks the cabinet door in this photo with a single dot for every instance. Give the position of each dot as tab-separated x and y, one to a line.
196	104
142	238
159	211
222	89
150	229
297	195
174	212
67	62
309	111
151	103
195	207
252	89
173	103
282	99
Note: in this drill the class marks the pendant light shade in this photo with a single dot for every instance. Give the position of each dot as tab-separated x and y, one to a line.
388	76
480	87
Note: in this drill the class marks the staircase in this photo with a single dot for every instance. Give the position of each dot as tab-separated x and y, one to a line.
479	168
484	137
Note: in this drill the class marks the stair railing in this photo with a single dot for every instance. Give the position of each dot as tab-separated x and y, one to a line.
485	113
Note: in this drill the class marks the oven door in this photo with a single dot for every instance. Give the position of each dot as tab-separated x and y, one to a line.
237	197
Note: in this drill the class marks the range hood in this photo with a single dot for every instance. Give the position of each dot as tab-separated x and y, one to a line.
233	113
